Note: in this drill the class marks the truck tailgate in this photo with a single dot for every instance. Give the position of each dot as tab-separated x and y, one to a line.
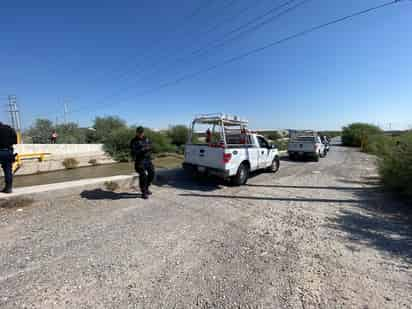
299	146
203	155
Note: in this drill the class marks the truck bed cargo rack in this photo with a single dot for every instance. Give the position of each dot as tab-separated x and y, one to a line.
220	118
227	124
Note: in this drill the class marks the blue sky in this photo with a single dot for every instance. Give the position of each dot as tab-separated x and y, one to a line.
109	58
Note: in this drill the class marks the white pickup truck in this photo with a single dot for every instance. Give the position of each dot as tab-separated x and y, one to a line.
306	146
228	149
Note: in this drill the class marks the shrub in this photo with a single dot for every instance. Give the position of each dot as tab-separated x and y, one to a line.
379	144
70	133
70	163
395	167
103	126
273	135
282	144
330	134
93	162
117	144
181	149
357	134
111	186
178	134
40	131
160	141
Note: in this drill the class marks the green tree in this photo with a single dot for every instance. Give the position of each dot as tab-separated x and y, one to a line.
178	134
70	133
41	131
117	143
274	135
161	142
395	166
357	134
103	127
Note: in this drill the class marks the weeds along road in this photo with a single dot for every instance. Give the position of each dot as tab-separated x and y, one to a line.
314	235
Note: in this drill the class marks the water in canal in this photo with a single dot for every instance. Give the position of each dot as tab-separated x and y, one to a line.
105	170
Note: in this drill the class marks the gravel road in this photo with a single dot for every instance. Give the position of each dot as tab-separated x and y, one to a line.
313	235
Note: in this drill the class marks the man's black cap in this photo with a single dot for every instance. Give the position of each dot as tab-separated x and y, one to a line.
139	130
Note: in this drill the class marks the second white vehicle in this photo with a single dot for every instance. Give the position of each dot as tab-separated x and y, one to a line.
309	146
228	149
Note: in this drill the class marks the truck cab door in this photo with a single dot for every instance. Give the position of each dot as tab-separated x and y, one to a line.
264	150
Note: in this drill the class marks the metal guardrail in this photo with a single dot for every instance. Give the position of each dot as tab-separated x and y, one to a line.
18	163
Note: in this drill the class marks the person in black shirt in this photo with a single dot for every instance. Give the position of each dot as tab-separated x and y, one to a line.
8	138
141	150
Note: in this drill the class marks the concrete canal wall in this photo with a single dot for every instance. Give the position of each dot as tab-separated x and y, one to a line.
60	149
85	154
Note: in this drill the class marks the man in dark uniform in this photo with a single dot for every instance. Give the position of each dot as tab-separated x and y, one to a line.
141	150
8	138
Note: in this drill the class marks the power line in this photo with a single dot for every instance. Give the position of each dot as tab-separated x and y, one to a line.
278	42
260	49
221	42
213	45
127	72
243	11
259	25
204	5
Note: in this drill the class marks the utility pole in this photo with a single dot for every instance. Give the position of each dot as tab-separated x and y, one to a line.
66	101
66	111
15	114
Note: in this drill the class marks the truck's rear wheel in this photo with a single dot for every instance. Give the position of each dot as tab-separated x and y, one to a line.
241	176
275	165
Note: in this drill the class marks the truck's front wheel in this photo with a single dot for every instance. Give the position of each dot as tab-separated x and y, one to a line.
275	166
241	176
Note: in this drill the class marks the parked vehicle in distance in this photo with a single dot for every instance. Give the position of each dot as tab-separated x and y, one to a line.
227	149
306	146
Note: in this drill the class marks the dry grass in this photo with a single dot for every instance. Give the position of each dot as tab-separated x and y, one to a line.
70	163
111	186
170	161
93	162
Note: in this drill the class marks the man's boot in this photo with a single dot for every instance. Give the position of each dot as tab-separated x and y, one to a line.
145	196
7	189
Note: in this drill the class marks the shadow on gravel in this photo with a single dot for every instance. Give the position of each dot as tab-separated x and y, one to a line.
370	181
379	220
382	232
180	179
99	194
303	159
268	198
311	187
